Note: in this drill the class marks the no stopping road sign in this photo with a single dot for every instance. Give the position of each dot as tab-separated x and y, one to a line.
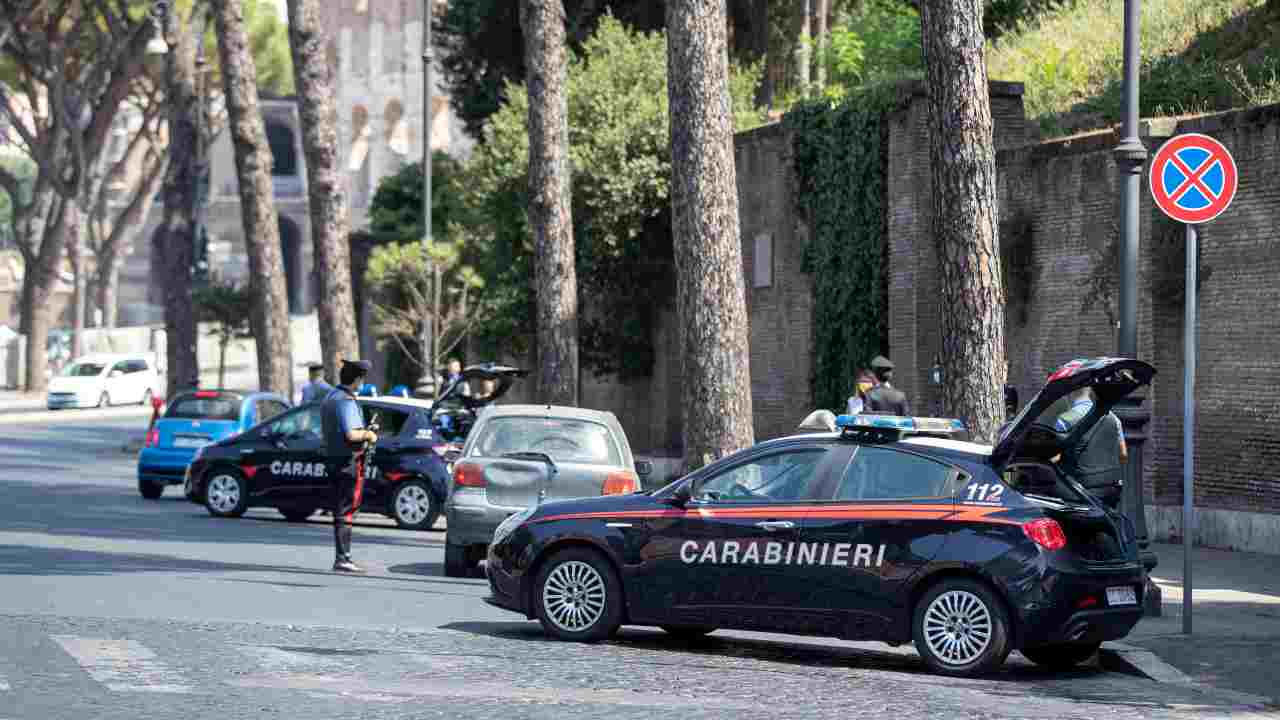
1193	178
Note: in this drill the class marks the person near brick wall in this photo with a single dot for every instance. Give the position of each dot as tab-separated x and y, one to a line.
864	384
884	398
1096	460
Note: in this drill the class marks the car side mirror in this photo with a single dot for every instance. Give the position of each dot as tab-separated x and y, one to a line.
644	467
682	495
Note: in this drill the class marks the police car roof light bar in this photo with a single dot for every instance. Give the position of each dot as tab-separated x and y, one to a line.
900	424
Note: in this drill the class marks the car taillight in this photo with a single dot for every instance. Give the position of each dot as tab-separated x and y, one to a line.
153	438
1046	533
468	475
619	483
208	394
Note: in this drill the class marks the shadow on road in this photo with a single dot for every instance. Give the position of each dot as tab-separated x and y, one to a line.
82	510
1016	681
45	561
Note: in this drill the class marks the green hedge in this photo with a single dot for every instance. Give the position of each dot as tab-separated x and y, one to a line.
840	165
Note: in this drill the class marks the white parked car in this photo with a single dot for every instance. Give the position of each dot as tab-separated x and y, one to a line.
102	380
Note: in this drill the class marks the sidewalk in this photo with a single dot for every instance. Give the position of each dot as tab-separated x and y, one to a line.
1235	640
14	401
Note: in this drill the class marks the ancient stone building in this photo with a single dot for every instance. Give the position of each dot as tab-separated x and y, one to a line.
376	52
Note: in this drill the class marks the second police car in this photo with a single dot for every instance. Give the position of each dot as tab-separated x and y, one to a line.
281	463
885	530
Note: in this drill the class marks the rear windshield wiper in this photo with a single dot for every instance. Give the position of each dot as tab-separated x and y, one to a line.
537	457
534	457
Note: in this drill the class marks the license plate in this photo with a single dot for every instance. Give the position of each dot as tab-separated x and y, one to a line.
190	442
1123	595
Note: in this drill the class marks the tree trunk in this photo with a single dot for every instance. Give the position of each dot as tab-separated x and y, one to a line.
803	49
821	10
550	214
45	224
270	319
711	298
173	241
329	223
223	342
107	286
965	214
79	274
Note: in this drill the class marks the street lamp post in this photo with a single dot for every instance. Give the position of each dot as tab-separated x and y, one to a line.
203	176
427	382
1131	156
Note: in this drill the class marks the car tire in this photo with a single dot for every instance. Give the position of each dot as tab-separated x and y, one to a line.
457	561
296	515
961	628
146	398
1063	656
150	489
688	632
104	400
414	507
578	596
226	494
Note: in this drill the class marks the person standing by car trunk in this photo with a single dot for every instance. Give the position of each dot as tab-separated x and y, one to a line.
344	432
1096	459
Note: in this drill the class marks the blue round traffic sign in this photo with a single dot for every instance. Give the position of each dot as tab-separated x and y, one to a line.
1193	178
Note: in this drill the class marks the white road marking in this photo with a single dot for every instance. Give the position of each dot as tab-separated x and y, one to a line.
123	665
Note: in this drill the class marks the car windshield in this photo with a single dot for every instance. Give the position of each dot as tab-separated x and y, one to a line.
199	408
563	439
83	369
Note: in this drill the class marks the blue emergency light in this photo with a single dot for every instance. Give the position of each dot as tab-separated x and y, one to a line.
901	424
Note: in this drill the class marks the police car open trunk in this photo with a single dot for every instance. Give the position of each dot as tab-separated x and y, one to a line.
1032	445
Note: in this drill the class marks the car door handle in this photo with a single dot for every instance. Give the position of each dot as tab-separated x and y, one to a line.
775	525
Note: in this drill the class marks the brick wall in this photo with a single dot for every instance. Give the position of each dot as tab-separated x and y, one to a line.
1237	391
914	282
1063	195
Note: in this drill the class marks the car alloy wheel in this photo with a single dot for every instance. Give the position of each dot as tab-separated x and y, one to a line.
957	627
961	628
225	495
573	596
413	507
578	596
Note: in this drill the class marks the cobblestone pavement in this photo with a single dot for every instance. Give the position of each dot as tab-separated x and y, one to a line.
58	667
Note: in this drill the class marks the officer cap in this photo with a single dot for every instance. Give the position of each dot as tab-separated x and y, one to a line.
364	365
315	366
881	363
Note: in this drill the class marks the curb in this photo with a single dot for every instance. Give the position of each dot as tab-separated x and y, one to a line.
56	417
1132	660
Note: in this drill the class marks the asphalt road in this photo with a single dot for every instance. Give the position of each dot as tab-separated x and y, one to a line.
112	606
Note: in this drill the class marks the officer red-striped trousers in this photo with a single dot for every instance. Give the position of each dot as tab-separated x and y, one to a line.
348	489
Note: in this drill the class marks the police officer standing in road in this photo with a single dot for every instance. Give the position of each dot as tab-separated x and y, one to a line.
344	434
316	388
884	398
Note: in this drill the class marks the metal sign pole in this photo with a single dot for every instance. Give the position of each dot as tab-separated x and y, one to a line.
1188	428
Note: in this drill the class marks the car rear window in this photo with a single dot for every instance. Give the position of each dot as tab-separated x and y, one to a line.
564	439
223	407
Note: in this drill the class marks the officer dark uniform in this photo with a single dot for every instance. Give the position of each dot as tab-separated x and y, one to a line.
343	427
884	399
1096	460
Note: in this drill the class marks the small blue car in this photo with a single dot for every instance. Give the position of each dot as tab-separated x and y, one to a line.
192	420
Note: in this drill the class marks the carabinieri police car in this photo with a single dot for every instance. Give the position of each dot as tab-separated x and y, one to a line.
885	529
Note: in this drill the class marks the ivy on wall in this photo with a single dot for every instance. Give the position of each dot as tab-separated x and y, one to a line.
840	164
